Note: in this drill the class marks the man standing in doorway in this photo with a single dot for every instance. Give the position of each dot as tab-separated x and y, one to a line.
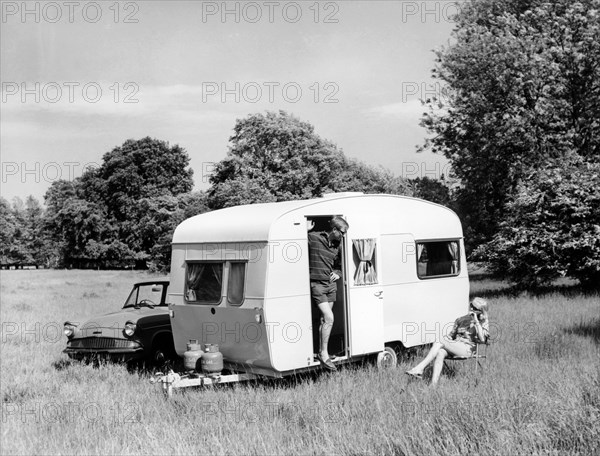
325	270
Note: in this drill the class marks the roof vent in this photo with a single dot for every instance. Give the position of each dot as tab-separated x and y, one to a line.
341	194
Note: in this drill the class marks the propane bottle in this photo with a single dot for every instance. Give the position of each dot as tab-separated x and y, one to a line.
212	360
192	355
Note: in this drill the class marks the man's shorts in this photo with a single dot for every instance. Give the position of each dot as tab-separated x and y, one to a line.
323	292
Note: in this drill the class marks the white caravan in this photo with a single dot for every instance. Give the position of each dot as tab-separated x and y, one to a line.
240	279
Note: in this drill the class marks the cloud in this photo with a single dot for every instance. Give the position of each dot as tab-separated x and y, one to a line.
97	98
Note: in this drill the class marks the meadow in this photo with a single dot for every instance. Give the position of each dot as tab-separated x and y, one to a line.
539	391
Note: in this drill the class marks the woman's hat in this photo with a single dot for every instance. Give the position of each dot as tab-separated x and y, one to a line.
479	304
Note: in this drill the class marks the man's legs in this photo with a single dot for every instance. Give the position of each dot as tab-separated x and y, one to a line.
326	309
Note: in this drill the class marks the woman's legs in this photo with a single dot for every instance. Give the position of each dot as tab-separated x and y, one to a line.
433	351
437	365
438	352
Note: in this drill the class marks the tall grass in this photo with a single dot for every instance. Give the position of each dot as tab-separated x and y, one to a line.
538	392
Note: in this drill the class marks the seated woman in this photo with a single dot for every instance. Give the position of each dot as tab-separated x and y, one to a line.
468	330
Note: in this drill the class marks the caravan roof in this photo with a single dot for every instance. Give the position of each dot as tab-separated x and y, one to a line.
253	222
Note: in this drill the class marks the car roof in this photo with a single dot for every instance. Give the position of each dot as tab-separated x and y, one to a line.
155	280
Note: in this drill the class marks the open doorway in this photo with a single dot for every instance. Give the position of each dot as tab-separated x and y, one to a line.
338	341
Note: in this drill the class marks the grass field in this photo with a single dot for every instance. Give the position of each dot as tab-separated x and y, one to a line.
538	394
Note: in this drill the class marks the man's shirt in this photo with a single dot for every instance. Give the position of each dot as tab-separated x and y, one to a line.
322	259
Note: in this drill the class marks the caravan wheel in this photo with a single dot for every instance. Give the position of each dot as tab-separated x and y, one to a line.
387	358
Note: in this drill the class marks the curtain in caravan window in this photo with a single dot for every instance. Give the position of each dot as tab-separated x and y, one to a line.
365	270
453	250
194	274
420	248
235	284
421	260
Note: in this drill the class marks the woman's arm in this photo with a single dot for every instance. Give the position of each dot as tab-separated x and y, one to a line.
482	329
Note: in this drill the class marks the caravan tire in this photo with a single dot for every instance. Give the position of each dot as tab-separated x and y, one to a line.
387	358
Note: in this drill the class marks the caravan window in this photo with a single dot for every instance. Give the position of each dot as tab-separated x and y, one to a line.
235	285
363	254
203	282
437	258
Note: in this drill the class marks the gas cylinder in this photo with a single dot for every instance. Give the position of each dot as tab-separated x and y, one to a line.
192	355
212	360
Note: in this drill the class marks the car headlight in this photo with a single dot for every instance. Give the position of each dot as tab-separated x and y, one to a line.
129	329
69	329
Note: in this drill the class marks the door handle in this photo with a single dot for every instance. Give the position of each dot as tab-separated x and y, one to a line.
379	294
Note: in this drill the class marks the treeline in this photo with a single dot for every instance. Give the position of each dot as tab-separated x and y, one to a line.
520	126
122	214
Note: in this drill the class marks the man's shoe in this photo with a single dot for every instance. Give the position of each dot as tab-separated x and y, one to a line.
327	364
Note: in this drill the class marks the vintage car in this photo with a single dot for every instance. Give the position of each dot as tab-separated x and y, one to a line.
141	330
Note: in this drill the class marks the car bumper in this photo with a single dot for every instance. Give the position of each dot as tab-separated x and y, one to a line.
113	355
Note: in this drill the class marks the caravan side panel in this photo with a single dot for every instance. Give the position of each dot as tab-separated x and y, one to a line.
239	329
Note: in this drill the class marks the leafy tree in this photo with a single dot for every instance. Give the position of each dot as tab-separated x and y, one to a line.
22	236
19	253
161	217
432	190
144	168
523	83
553	227
116	214
8	229
278	157
36	239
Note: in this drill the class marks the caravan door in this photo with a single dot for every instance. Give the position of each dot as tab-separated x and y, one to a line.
365	290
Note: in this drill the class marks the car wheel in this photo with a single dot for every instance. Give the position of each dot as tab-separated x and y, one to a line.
163	350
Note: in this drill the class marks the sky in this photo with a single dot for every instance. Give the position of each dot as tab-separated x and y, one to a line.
80	78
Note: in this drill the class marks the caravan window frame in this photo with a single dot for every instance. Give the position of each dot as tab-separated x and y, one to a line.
244	281
225	282
204	303
438	276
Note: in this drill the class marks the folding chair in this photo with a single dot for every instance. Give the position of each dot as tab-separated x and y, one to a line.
480	353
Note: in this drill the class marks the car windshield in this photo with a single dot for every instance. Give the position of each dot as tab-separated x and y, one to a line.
147	295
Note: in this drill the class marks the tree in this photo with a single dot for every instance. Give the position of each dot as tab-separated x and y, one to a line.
8	229
278	157
553	227
116	214
523	83
19	253
36	240
432	190
161	217
144	168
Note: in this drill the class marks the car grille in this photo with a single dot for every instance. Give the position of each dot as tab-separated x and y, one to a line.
98	343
